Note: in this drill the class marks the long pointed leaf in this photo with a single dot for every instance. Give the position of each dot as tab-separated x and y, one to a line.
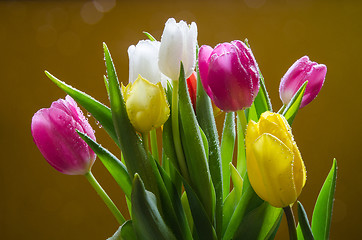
249	201
201	220
174	211
293	106
124	232
98	110
322	214
304	227
227	149
114	166
205	118
147	220
233	198
197	163
134	153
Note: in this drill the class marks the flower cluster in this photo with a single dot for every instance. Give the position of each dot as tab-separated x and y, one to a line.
184	193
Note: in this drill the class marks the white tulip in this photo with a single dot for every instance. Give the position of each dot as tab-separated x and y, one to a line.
143	60
178	43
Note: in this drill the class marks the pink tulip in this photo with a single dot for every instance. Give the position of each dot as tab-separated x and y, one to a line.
54	133
302	70
229	75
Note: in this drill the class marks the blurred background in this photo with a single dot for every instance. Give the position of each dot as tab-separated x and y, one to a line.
65	38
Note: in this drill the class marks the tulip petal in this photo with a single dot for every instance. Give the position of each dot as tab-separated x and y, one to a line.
171	50
231	86
315	83
277	126
252	132
146	105
300	176
273	163
143	60
204	55
189	51
247	58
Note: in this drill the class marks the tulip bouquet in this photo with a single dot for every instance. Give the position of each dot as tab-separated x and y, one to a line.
195	188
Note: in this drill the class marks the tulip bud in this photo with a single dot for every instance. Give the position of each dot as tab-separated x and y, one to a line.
54	133
178	44
302	70
143	60
192	87
229	75
275	168
146	104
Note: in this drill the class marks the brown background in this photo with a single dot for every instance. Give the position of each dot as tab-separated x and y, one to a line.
66	38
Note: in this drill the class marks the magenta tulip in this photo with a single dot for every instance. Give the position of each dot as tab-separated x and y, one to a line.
229	75
302	70
54	133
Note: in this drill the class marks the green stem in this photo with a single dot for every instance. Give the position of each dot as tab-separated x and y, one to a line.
145	141
176	132
291	223
241	128
154	145
111	206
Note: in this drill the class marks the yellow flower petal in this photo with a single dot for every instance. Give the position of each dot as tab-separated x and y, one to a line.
277	126
146	105
299	170
273	164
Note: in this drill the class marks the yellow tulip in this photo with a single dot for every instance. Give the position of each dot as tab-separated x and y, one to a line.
146	104
275	167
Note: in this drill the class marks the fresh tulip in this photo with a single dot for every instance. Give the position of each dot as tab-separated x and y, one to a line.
302	70
143	60
229	75
54	133
146	104
178	44
275	167
192	87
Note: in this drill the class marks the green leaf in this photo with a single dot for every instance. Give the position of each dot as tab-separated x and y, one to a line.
127	231
303	229
147	221
114	166
186	207
251	113
259	223
172	206
205	143
195	154
262	101
98	110
227	149
322	214
150	36
293	106
233	198
248	201
201	220
106	84
117	234
124	232
134	153
205	118
272	219
169	157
